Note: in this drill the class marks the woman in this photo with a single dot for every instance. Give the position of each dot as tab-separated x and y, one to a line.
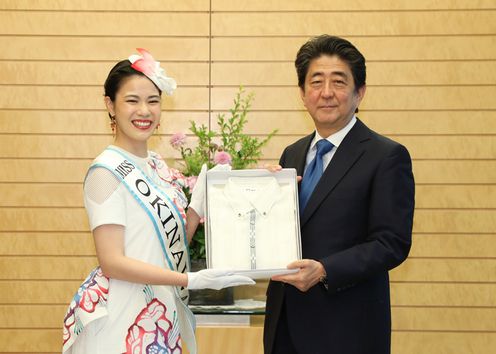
134	302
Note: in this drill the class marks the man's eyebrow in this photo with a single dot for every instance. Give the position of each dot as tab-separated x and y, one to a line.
340	74
334	73
317	73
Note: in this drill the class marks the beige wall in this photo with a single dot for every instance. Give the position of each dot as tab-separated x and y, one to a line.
431	86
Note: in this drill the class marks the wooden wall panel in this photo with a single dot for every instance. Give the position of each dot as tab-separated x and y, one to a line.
455	171
41	195
70	195
30	268
380	48
454	245
426	171
43	219
409	342
83	98
414	270
91	73
354	23
83	146
33	316
47	292
446	269
96	122
449	294
378	73
454	220
457	196
38	341
393	122
420	294
420	147
98	23
77	146
52	243
110	48
431	75
81	243
43	170
398	122
376	98
98	5
342	5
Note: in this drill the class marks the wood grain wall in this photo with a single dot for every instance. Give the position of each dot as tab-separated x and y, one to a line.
431	86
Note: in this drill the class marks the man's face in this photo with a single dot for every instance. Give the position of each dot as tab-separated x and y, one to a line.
329	94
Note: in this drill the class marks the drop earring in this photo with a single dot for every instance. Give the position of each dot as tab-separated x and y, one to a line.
112	124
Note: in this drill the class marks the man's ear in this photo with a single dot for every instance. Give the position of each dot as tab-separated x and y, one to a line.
110	105
361	94
302	95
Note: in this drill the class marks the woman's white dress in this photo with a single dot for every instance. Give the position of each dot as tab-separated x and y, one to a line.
114	316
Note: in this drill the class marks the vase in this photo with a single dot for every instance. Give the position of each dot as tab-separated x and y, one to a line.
209	297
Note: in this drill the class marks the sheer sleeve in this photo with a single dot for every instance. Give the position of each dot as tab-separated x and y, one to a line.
104	198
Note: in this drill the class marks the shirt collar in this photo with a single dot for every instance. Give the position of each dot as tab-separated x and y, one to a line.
242	202
337	138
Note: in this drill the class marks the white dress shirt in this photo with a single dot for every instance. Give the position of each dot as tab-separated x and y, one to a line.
335	139
269	207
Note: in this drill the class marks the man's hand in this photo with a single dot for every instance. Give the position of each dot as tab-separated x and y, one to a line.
277	168
272	168
310	273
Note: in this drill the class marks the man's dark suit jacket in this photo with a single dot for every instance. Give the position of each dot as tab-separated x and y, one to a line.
358	223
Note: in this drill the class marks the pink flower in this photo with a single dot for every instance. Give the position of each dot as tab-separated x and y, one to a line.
177	140
147	65
191	182
222	158
152	329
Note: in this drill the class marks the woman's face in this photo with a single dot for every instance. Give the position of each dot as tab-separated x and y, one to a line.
137	109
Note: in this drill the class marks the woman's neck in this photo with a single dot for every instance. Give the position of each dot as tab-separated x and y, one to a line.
138	149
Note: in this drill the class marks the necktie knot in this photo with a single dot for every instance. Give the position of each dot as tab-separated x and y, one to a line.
313	172
323	147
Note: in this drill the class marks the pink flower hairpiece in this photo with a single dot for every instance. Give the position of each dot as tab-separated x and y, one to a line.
147	65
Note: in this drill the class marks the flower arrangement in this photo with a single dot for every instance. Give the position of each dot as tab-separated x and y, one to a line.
228	145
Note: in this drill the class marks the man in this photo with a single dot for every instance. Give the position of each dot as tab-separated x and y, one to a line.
356	217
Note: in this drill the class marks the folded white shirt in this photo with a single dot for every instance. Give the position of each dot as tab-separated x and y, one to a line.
269	206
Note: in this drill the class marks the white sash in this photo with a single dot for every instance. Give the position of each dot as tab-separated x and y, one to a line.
167	222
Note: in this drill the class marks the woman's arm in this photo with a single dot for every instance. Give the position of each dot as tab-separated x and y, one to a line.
109	243
192	222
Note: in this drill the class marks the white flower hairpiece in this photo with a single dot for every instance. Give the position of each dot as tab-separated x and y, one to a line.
147	65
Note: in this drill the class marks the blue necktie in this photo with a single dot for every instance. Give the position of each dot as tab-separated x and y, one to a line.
313	172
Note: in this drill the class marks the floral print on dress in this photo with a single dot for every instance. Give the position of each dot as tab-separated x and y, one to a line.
174	178
91	295
152	332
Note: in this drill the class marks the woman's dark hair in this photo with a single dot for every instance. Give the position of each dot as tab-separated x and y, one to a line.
116	77
330	45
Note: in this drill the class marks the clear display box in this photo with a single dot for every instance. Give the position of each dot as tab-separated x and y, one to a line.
252	221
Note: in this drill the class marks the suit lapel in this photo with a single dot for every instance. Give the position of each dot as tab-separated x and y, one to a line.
350	150
302	156
298	158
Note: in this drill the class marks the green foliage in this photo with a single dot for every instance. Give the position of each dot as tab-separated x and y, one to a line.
244	150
